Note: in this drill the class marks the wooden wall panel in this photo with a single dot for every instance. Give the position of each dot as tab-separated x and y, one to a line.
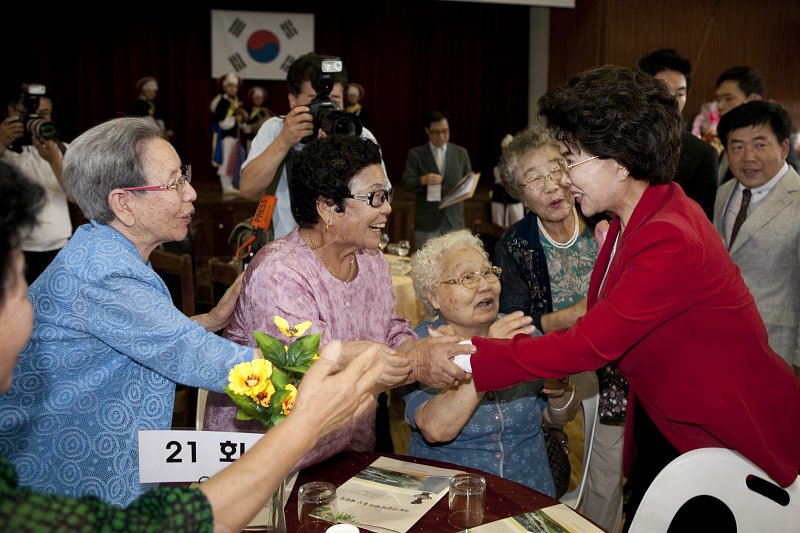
714	35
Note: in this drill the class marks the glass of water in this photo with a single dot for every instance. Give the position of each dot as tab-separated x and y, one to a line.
384	241
403	248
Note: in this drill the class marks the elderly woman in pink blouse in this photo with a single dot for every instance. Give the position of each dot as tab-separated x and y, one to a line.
329	270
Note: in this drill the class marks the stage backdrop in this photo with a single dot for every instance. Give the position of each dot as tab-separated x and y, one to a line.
258	45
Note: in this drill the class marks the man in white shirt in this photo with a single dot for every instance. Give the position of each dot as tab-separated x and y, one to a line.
757	214
40	159
278	135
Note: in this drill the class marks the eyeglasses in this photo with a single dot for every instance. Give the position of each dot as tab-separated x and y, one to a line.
471	280
565	168
536	183
375	198
177	185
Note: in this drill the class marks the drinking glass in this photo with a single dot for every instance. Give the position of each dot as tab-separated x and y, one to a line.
384	241
403	248
466	499
316	506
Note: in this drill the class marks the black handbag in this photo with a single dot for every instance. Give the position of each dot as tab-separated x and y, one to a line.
613	402
555	440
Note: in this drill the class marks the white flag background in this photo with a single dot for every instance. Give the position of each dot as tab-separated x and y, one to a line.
258	45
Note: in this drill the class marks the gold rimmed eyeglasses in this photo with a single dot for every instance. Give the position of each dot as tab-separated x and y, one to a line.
471	280
177	185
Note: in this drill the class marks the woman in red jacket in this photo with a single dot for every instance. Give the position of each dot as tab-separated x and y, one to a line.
665	302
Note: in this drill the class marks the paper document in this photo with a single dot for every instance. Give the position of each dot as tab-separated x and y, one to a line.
462	190
554	519
391	495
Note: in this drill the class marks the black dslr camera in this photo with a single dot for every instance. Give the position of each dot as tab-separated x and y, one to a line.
328	117
33	123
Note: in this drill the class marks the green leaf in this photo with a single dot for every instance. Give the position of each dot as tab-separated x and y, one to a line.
303	348
279	379
277	418
241	415
273	350
297	370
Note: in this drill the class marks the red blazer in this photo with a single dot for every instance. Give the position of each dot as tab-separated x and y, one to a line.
676	315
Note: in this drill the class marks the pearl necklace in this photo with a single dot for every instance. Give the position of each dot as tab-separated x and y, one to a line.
555	243
322	258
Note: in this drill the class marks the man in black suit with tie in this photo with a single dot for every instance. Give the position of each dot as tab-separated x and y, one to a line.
697	166
431	172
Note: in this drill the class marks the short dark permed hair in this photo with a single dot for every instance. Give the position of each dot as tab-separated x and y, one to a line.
324	169
747	78
756	113
20	201
618	113
667	59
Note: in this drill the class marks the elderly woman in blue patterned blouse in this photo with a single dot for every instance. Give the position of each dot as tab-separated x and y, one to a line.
108	345
501	431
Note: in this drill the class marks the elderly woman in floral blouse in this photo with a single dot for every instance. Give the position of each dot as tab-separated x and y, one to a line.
498	431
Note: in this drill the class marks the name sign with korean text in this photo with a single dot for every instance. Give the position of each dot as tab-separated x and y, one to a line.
189	456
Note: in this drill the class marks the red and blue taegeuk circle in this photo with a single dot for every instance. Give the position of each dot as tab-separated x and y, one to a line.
263	46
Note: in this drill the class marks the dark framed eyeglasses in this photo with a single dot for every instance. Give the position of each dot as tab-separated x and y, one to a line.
471	280
177	185
375	198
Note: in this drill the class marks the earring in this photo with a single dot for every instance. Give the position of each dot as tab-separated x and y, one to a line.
326	226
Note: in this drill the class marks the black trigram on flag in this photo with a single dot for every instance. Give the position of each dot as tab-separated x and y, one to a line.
237	27
287	62
237	62
288	28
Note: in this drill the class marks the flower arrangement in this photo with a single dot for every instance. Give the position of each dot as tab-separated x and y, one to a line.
265	389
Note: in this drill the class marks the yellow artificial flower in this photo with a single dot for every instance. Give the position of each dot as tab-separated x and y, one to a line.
293	331
250	378
264	397
288	402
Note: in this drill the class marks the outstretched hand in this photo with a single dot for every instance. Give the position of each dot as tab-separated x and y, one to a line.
431	360
512	324
328	399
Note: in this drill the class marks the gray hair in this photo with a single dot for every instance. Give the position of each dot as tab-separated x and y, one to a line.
426	265
530	139
107	157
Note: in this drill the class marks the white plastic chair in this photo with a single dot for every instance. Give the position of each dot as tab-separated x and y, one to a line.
727	476
586	383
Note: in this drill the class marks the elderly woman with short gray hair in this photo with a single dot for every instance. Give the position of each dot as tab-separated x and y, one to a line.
108	345
499	431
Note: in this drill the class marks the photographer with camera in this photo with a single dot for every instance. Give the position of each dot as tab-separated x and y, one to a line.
29	142
316	98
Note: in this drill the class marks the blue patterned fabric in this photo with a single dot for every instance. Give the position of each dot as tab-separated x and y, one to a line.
503	437
106	351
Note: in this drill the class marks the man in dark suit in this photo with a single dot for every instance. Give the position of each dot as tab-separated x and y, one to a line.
431	172
697	166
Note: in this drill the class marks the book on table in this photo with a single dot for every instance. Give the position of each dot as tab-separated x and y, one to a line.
391	495
554	519
462	190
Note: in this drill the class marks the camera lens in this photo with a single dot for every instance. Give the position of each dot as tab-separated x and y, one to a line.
42	128
337	122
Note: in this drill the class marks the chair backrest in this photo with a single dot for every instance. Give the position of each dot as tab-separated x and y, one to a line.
177	272
727	476
221	274
586	383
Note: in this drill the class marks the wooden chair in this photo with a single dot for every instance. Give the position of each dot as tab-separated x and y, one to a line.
177	272
221	275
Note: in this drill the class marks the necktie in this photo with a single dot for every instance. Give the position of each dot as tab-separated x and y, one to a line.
439	156
740	216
